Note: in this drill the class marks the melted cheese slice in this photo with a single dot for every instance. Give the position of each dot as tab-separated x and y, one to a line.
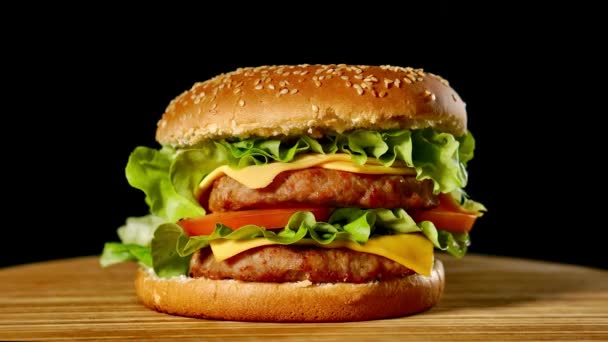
260	176
413	251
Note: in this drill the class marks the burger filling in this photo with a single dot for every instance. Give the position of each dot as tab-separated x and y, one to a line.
353	207
324	188
280	264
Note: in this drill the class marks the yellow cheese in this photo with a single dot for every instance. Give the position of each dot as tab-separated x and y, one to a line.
260	176
413	251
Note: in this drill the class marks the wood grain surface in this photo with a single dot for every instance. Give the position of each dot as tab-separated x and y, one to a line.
486	298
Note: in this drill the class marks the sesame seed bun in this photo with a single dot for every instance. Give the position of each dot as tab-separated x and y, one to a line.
311	99
290	302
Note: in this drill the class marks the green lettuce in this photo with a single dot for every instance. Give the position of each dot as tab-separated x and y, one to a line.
136	237
139	230
172	247
461	197
148	170
169	178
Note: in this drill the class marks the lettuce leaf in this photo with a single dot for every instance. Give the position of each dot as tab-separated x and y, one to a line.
436	156
139	230
148	170
116	252
172	247
169	178
461	197
136	236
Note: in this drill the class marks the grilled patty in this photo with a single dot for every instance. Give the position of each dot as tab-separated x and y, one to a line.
297	263
326	188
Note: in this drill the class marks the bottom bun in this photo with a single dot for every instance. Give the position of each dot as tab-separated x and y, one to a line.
290	302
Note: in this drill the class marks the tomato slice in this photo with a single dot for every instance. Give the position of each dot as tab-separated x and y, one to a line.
449	215
267	218
446	220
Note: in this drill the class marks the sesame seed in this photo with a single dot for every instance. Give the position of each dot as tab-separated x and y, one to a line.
282	84
359	89
420	79
317	83
359	77
374	93
383	93
236	91
285	74
271	86
344	78
259	87
348	84
242	103
398	83
284	91
315	108
321	78
387	83
407	80
257	81
304	72
293	91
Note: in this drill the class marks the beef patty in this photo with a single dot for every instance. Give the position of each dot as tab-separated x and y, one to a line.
296	263
326	188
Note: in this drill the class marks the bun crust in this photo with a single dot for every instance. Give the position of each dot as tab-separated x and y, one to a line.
311	99
290	302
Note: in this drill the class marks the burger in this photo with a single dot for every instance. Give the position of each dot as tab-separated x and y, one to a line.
303	193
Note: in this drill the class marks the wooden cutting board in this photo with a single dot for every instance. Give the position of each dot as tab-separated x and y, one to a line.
486	298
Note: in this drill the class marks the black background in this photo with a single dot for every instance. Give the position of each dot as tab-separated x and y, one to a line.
86	91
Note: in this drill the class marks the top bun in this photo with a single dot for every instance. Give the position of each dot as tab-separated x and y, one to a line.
311	99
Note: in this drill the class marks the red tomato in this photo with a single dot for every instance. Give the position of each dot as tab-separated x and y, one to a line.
446	220
267	218
449	215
